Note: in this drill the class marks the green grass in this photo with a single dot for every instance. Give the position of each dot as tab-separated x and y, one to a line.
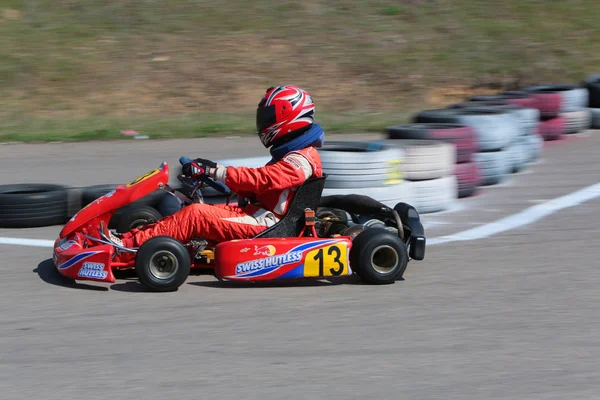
193	125
75	70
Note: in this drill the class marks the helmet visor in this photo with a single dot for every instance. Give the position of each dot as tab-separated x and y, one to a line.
265	117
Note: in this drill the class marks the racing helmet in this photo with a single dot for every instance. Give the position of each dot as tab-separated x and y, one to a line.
284	113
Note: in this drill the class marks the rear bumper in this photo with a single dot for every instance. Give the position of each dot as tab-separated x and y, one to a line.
410	217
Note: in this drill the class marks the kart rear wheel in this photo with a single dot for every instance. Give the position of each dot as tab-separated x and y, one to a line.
378	256
162	264
136	216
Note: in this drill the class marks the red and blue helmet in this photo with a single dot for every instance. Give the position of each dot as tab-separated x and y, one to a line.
284	113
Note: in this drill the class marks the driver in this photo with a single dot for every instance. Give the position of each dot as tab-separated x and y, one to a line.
285	124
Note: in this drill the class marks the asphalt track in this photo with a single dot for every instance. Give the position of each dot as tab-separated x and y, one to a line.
507	317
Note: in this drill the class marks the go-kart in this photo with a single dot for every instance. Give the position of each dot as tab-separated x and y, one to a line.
318	238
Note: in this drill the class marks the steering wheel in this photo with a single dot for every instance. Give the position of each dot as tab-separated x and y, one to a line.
205	179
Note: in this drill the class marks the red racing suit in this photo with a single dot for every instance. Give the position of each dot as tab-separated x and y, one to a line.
272	186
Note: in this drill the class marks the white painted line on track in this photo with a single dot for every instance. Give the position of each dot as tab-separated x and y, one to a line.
525	217
27	242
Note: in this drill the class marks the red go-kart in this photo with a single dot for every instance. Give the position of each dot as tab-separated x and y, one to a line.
319	237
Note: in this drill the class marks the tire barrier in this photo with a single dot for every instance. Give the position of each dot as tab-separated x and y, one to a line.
444	155
517	98
91	193
428	168
389	195
434	195
33	205
461	136
552	100
356	165
517	155
528	118
577	121
535	144
493	166
553	128
592	84
595	117
494	129
467	176
425	159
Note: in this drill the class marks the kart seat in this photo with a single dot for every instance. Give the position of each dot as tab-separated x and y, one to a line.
308	195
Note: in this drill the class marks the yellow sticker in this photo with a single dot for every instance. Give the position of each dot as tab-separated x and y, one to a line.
394	175
330	260
143	177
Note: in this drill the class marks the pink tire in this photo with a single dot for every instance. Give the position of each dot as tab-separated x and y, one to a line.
549	104
552	129
462	137
467	175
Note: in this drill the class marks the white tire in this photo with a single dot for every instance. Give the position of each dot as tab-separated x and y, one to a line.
434	195
426	159
389	195
364	164
493	166
577	121
494	130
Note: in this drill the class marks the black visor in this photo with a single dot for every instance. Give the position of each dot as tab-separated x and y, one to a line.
265	117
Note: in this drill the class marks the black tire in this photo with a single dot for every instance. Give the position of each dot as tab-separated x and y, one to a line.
436	116
498	104
176	268
378	256
91	193
33	205
487	97
136	216
461	136
592	83
515	94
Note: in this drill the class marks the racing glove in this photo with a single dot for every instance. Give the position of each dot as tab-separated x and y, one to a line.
198	168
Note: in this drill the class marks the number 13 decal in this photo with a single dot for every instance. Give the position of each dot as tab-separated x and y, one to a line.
327	261
338	253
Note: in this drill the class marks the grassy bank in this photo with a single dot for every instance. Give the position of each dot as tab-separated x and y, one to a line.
78	70
192	125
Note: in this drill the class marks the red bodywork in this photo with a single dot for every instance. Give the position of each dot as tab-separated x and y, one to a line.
283	258
77	255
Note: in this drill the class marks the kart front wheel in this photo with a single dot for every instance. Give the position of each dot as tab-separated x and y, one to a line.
162	264
136	216
378	256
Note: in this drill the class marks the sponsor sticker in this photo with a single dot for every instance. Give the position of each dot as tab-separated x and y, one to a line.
92	270
266	251
143	177
269	262
292	161
67	245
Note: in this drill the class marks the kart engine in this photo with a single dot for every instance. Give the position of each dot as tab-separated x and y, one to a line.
335	222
